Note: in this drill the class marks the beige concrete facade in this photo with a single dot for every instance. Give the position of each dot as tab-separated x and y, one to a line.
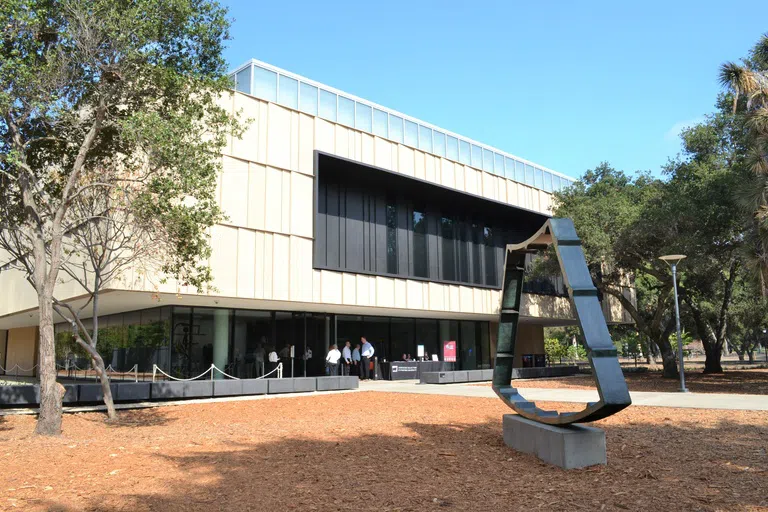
263	252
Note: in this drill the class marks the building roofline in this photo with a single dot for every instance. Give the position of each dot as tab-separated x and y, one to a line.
329	88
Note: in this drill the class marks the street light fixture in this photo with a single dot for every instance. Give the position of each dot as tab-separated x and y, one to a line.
672	260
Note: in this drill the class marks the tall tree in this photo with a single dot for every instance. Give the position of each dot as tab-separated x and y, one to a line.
609	211
748	317
94	85
747	85
706	223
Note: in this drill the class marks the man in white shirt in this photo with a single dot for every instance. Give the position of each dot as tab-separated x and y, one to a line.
356	359
273	359
346	354
332	360
365	355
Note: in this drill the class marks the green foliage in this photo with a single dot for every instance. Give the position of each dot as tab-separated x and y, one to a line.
117	96
687	340
559	348
627	341
554	350
152	335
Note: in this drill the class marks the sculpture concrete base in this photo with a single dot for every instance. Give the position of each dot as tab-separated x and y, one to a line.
574	446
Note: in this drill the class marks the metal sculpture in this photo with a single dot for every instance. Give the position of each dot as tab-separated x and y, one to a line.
611	386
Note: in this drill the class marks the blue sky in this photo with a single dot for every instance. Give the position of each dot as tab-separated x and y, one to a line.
564	84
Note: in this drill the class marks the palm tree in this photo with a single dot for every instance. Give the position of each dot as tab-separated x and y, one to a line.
750	81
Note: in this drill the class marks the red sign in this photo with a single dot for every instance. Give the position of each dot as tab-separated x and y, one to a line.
449	351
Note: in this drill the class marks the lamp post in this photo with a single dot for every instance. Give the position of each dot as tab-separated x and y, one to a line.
673	260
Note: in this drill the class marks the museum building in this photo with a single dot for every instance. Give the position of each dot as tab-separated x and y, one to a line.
344	219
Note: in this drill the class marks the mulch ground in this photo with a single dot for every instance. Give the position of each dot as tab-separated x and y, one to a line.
748	382
375	451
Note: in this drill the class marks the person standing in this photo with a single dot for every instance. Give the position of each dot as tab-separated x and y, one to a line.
332	360
346	355
356	359
273	360
365	355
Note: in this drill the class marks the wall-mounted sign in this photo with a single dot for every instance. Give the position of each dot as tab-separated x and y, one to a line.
449	351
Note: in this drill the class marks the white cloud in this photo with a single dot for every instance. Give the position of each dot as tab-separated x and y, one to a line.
673	133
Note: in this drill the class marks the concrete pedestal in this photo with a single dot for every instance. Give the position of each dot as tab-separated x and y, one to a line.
574	446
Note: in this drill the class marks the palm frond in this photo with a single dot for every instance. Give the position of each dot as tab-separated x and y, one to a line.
760	52
757	159
758	121
730	76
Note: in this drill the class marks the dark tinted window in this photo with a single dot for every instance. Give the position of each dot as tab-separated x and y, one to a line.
391	237
477	251
447	228
490	257
420	266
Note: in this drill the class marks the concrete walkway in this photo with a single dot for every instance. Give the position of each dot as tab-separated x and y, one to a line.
653	399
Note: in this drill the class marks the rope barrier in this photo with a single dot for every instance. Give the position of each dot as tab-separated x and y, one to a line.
17	368
156	369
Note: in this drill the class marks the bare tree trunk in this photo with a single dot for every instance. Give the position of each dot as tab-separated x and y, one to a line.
51	393
106	389
751	355
712	362
668	359
740	353
98	365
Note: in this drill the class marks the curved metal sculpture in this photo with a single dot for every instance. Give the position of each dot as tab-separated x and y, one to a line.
611	386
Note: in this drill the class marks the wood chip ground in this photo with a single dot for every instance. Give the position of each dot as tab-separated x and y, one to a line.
375	451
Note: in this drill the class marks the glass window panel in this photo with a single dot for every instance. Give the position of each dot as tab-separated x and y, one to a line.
364	120
346	111
490	257
288	92
252	331
519	171
308	99
465	156
468	345
477	157
380	123
538	179
447	230
402	344
420	255
439	143
264	84
477	250
244	80
327	105
488	160
509	170
425	139
391	218
426	334
396	128
499	164
547	182
452	149
411	134
528	175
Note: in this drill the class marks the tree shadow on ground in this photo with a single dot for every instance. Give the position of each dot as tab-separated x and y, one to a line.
133	418
750	382
661	466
